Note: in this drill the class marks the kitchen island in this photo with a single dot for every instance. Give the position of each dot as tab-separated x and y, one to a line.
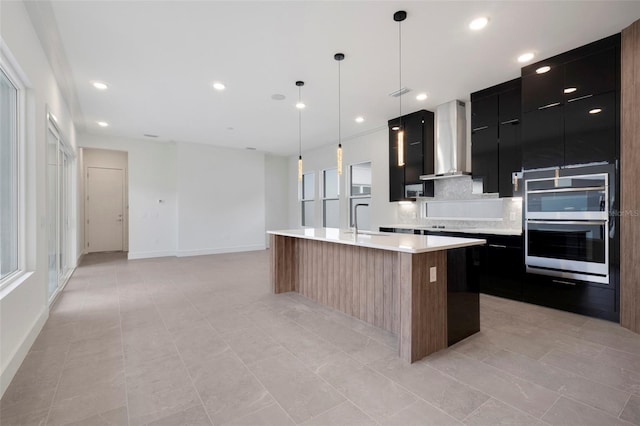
417	287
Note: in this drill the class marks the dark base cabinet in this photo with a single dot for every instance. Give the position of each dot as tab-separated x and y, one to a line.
503	268
463	296
579	297
497	268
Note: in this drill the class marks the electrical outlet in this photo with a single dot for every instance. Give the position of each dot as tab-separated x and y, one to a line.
432	274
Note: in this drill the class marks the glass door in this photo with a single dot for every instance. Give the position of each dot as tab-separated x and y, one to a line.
58	201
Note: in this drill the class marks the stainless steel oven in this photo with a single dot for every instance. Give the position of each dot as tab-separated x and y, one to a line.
567	226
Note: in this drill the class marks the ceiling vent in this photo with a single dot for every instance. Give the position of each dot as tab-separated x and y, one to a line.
400	92
150	135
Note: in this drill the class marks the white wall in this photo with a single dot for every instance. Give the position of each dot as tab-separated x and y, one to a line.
276	184
152	177
190	199
24	307
373	147
221	200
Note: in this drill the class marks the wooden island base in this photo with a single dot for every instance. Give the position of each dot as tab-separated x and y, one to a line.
389	289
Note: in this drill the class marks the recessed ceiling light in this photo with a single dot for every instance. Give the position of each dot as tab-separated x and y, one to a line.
595	111
300	105
544	69
570	89
525	57
421	96
395	128
479	23
102	123
218	86
359	119
100	85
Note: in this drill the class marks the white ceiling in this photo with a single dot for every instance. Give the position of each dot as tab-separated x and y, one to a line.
161	57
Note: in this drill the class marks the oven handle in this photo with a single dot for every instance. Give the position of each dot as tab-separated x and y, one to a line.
569	222
584	188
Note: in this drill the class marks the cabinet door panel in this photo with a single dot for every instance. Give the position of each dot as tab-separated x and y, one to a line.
396	173
539	90
543	138
484	112
484	150
413	141
510	157
509	105
590	136
591	75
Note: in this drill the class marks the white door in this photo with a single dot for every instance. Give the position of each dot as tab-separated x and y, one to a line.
105	209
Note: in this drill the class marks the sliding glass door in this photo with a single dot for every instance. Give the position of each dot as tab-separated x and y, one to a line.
58	178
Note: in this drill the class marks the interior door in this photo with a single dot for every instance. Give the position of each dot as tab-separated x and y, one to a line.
105	209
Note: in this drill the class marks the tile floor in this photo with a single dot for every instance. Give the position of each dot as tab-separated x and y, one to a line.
199	341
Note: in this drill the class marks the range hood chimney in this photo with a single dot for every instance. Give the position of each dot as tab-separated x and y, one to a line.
451	142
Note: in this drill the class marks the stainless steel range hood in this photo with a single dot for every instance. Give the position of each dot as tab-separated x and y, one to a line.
451	142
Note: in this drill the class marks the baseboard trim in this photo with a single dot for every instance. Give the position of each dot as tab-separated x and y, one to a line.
21	352
149	254
221	250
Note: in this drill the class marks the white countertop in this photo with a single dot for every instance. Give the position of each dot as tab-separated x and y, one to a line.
407	243
491	231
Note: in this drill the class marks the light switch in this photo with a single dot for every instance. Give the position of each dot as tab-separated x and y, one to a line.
432	274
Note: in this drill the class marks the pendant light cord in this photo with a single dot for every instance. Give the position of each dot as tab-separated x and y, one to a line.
299	124
339	108
400	71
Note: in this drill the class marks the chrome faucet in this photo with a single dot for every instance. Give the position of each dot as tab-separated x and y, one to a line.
355	218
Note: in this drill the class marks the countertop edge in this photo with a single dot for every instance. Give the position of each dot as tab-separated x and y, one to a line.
468	242
501	232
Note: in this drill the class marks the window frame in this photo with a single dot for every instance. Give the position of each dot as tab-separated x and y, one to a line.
10	67
324	195
304	199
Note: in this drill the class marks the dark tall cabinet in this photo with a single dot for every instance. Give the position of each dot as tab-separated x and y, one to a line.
404	181
495	137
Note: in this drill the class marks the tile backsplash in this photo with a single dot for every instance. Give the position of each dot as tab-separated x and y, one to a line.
455	204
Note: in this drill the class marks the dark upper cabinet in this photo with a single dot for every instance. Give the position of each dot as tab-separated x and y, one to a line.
484	112
543	138
557	128
496	156
540	90
590	130
396	173
484	157
591	75
509	106
413	144
404	181
510	155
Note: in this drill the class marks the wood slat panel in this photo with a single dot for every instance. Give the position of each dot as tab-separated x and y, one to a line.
284	266
423	317
388	289
630	176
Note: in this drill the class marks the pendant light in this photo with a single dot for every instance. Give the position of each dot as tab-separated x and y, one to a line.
299	84
400	16
339	57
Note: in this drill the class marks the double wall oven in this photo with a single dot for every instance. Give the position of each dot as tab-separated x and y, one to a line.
567	227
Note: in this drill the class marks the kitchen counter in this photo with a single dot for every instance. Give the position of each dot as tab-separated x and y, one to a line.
421	288
406	243
488	231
